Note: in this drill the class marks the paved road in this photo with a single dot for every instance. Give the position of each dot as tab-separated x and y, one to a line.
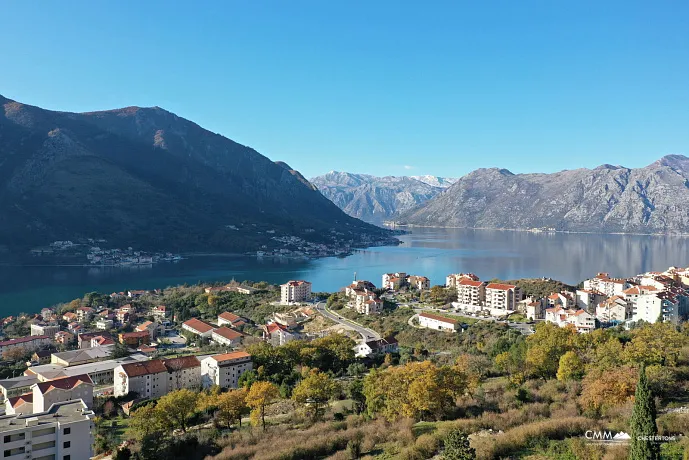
366	333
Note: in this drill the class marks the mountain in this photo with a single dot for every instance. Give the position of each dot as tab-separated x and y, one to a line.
607	199
376	199
146	178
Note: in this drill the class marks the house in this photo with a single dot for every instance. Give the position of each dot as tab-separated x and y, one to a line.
370	306
102	341
561	299
160	312
246	290
198	327
84	314
183	372
376	347
652	307
64	337
148	379
85	339
277	334
45	394
225	370
614	309
437	322
420	283
10	388
394	281
104	324
226	336
580	319
65	428
69	317
359	285
295	291
230	319
587	299
452	280
531	308
471	294
18	405
135	294
28	344
42	356
75	328
502	298
153	329
135	339
44	329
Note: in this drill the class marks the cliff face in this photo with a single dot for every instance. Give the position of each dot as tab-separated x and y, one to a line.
146	178
608	199
376	199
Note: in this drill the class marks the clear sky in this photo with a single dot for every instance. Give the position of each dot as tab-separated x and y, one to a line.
381	87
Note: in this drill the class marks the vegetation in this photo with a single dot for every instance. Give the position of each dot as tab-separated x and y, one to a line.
643	422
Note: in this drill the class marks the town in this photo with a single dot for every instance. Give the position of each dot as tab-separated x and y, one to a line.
73	374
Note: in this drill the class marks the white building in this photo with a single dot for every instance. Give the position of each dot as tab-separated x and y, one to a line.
198	327
9	388
651	307
44	329
104	324
226	336
148	379
228	318
616	308
452	280
561	299
394	281
277	334
224	370
502	298
183	372
420	283
587	299
28	344
64	432
45	394
437	322
582	321
376	347
531	308
607	286
295	291
471	294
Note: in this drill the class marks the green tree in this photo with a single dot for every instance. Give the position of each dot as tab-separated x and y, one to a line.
546	346
457	447
231	406
643	422
146	421
261	395
314	392
571	367
178	407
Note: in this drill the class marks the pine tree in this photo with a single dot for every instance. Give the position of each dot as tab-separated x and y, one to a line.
457	447
643	422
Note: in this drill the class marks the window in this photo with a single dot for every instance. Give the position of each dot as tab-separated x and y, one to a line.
67	457
66	444
68	430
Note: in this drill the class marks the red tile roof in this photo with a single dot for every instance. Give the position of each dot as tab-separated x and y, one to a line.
136	334
66	383
229	356
21	399
198	325
184	362
228	333
23	340
438	317
500	286
231	317
154	366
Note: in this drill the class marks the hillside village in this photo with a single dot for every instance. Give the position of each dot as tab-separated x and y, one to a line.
129	351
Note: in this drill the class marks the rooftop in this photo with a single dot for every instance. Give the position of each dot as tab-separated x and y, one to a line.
54	371
85	354
231	356
228	333
198	325
66	383
65	412
22	381
438	318
500	286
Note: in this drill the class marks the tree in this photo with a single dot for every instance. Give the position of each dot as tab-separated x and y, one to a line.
355	392
178	407
260	395
232	406
546	346
571	367
657	343
147	421
643	422
457	447
314	392
16	354
601	390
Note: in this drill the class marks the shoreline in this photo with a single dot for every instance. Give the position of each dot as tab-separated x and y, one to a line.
538	232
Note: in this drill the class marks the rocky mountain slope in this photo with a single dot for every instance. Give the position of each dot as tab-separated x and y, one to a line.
376	199
146	178
608	199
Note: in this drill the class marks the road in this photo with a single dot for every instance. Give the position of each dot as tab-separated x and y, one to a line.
366	333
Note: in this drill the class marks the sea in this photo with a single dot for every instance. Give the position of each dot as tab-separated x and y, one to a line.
432	252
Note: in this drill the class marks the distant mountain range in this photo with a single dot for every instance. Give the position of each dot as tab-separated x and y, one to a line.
376	199
607	199
146	178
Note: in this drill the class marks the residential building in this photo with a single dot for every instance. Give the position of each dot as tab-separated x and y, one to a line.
502	298
295	291
359	285
69	317
198	327
369	306
452	280
135	339
10	388
532	308
276	334
376	347
230	319
29	344
64	337
437	322
587	299
81	356
160	312
102	341
420	283
658	306
605	285
84	314
44	329
104	324
148	379
84	339
100	372
183	372
45	394
394	281
226	336
614	309
471	294
22	404
225	370
561	299
153	329
63	432
580	319
42	356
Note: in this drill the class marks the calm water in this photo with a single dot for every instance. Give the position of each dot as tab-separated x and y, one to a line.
430	252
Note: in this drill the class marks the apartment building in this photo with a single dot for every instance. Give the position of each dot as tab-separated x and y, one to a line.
44	329
420	283
198	327
452	280
295	291
587	299
561	299
153	328
394	281
604	284
580	319
471	294
100	372
277	334
437	322
45	394
225	369
226	336
29	344
63	432
148	379
104	324
652	307
614	309
183	372
64	337
10	388
135	339
502	298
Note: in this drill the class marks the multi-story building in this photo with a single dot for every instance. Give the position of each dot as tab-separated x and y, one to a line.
587	299
84	314
148	379
437	322
376	347
359	285
44	329
10	388
224	370
452	280
295	291
183	372
580	319
29	344
502	297
394	281
230	319
135	339
420	283
561	299
471	294
64	337
100	372
651	308
532	308
85	356
104	324
64	432
153	329
604	284
45	394
198	327
226	336
614	309
369	306
277	334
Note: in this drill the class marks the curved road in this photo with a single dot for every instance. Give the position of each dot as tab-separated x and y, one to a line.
366	333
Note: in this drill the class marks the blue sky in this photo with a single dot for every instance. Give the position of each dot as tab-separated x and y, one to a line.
381	87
